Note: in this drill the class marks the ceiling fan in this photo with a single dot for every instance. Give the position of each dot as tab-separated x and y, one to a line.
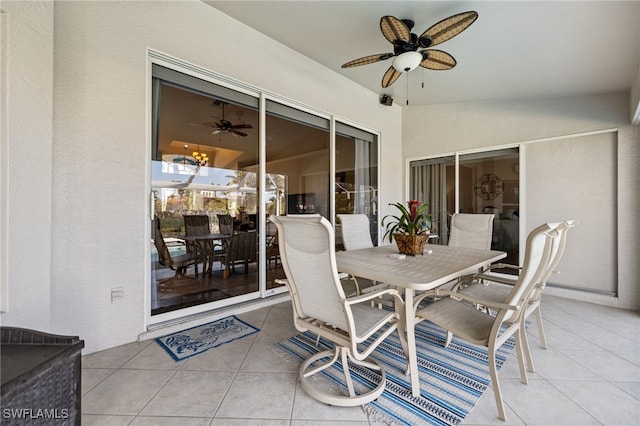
410	50
224	125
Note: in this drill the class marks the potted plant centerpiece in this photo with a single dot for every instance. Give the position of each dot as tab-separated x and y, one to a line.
410	228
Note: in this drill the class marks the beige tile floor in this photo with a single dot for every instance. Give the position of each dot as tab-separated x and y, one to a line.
589	375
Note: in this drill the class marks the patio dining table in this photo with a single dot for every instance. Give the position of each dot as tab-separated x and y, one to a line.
204	246
437	266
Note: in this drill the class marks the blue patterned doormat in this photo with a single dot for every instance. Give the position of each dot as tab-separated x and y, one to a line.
451	379
194	341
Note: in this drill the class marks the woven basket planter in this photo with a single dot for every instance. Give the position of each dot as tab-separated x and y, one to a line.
411	244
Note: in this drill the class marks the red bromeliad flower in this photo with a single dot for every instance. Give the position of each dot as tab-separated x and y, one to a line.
413	209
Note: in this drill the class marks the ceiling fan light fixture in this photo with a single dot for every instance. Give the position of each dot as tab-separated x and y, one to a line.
407	61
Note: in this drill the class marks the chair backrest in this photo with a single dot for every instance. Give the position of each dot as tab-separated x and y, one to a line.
307	253
356	233
164	256
225	222
536	260
471	230
242	246
196	224
555	254
558	248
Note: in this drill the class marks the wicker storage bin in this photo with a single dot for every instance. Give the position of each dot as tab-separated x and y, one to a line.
40	375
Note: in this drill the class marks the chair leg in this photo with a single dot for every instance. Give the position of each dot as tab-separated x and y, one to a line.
526	347
519	351
353	399
494	381
347	373
449	339
543	337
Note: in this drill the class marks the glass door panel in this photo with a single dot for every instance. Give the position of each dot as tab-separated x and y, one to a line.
356	178
433	182
489	183
204	163
297	167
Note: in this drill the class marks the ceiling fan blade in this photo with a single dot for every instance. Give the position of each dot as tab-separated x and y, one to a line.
238	133
390	76
217	131
437	60
368	60
394	29
447	28
242	126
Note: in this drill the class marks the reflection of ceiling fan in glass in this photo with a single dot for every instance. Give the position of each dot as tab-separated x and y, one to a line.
224	125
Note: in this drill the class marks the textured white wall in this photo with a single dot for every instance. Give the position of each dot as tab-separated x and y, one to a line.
101	135
575	178
434	130
28	135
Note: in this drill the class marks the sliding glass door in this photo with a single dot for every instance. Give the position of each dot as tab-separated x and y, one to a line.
485	182
224	158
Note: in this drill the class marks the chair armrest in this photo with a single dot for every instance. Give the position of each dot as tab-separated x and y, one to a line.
423	295
502	266
365	297
474	300
494	278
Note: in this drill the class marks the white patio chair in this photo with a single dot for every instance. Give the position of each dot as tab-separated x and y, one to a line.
488	286
471	230
456	312
356	232
355	235
307	252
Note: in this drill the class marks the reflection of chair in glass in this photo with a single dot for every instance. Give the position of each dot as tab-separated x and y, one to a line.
198	224
273	250
457	312
307	252
178	263
491	287
240	249
225	223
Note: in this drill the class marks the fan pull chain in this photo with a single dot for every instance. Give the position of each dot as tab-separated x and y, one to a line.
407	89
422	71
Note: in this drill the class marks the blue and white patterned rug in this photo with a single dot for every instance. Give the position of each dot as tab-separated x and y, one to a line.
193	341
451	379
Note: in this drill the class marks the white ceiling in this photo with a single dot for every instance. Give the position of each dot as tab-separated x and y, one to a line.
515	50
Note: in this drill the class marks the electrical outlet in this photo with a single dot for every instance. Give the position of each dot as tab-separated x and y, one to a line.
117	294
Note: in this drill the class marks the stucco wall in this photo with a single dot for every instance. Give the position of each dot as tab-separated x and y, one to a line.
443	129
27	156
